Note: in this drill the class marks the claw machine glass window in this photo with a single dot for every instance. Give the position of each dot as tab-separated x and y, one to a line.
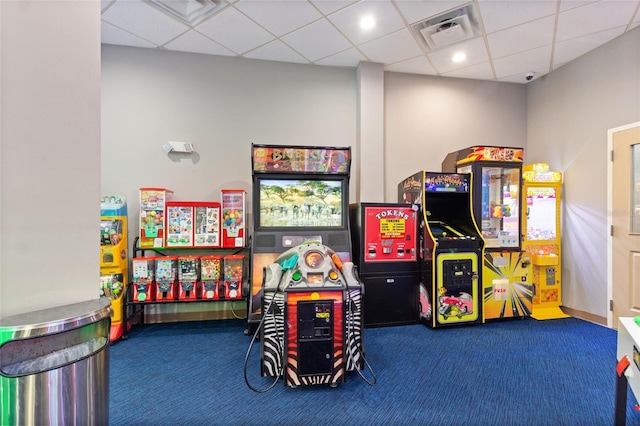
500	219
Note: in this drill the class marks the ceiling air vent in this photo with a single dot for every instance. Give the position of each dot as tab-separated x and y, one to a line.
448	28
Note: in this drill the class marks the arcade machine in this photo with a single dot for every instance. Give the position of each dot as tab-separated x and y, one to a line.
541	220
385	244
113	258
299	194
450	248
311	329
305	301
496	196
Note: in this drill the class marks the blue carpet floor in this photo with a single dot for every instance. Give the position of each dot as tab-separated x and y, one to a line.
514	372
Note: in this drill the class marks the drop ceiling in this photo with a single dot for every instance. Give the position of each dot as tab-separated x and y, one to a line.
503	39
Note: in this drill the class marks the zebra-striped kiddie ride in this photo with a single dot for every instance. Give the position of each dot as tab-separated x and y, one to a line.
311	330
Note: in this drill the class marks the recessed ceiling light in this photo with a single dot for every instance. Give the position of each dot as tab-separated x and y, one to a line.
459	57
367	22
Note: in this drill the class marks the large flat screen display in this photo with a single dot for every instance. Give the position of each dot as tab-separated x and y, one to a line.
301	203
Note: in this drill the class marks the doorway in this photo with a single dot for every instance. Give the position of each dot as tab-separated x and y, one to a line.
624	223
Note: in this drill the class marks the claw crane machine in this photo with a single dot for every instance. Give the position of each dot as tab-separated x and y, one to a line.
496	197
113	257
541	221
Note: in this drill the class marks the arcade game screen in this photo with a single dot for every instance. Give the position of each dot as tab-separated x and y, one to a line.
301	203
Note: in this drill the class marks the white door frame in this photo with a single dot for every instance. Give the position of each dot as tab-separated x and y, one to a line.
610	212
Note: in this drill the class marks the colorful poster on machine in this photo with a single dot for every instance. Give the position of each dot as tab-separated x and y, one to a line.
493	153
389	234
288	159
446	182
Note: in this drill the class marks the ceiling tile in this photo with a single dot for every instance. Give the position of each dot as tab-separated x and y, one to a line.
417	11
571	49
498	15
114	35
317	40
330	6
144	21
195	42
347	58
524	37
279	17
523	62
482	71
392	48
475	50
348	20
235	31
572	4
417	65
276	51
593	18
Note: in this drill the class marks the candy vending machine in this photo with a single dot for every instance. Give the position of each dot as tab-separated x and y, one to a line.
233	273
210	276
166	278
188	276
143	275
153	217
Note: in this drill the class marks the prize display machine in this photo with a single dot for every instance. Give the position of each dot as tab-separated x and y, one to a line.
450	248
496	196
153	222
541	222
311	331
299	194
385	243
114	258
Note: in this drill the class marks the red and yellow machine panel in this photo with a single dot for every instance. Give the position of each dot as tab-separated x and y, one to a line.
541	222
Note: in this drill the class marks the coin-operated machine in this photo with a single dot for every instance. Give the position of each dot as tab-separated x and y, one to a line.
450	248
385	250
311	329
496	195
541	222
114	258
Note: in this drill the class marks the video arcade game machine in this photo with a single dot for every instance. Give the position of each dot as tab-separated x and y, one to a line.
541	220
496	196
310	309
385	250
114	261
450	248
299	194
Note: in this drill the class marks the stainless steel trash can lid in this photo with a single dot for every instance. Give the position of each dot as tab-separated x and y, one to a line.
58	319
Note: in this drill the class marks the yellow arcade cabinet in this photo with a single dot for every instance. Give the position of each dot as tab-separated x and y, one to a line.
113	257
496	197
541	223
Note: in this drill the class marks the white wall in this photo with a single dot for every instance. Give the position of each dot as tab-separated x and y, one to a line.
219	104
568	113
428	117
50	163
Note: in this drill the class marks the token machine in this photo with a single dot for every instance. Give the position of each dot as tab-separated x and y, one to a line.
496	195
114	258
450	248
541	220
299	194
385	250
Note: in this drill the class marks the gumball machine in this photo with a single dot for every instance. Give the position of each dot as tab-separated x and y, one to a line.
234	227
188	276
233	272
210	273
142	288
166	278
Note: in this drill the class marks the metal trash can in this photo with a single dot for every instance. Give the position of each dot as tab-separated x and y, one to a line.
54	366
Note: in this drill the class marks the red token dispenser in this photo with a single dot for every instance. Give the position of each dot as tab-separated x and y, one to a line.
166	278
143	276
234	207
233	272
210	276
153	216
188	277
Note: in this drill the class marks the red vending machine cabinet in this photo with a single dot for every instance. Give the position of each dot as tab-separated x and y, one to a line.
210	277
153	216
206	232
143	276
234	207
180	222
193	224
166	278
233	274
188	276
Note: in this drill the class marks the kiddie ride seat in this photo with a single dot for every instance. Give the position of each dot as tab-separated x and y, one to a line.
311	327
